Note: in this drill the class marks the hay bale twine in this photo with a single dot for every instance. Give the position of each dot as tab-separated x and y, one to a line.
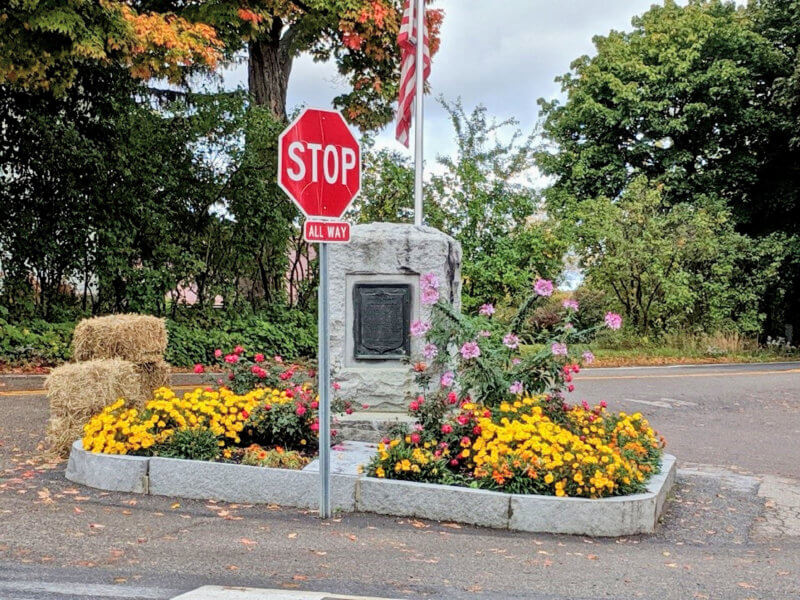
136	338
78	391
152	376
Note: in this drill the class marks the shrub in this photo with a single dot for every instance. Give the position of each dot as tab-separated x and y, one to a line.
35	342
196	443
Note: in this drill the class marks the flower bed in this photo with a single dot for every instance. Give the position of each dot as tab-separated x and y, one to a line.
273	426
488	417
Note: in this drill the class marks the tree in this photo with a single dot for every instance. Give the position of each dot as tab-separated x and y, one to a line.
387	187
483	201
668	266
690	99
45	41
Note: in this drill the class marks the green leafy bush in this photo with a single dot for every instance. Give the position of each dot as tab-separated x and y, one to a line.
199	443
36	341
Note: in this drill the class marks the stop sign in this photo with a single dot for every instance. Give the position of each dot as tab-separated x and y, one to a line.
319	163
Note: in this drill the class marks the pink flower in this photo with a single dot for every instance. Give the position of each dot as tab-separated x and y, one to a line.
430	351
511	341
558	349
365	406
337	385
198	368
613	320
217	353
429	280
570	304
258	358
447	379
447	428
588	357
516	361
238	350
420	328
314	405
485	333
487	310
543	287
603	403
570	388
515	388
470	350
413	406
231	358
301	410
315	426
452	398
277	359
462	419
430	296
415	438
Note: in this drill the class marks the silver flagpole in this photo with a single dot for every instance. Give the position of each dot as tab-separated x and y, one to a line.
418	109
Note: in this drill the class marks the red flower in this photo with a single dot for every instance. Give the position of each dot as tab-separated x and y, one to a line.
415	438
315	426
230	376
198	368
476	430
245	414
454	462
447	428
315	404
289	393
238	350
413	406
603	403
462	419
258	358
301	410
267	407
349	411
452	397
570	388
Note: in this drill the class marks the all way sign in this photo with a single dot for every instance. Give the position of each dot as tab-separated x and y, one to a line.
326	231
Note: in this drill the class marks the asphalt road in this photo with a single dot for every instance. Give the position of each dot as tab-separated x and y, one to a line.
731	529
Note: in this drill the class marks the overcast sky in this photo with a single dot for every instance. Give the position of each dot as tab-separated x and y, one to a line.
503	54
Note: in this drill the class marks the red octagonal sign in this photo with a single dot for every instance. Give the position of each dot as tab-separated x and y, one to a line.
319	163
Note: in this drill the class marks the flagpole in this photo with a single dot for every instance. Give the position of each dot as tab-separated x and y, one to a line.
418	108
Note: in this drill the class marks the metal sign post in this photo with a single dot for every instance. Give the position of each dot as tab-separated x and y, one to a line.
319	168
324	375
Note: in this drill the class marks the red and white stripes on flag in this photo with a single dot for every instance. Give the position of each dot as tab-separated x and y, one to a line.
407	40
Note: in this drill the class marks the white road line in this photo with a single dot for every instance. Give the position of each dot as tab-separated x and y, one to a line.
85	589
213	592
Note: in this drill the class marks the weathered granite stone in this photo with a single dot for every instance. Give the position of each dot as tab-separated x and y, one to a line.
385	253
370	426
347	458
107	471
622	515
433	501
240	483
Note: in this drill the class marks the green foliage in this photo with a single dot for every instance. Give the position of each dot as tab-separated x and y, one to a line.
697	98
276	458
35	342
387	187
291	334
483	200
199	443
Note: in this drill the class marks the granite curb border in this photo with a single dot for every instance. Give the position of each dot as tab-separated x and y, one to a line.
611	517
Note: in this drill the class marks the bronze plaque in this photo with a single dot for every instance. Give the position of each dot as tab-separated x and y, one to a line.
382	317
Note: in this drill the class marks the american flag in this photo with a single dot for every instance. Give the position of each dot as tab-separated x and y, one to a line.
407	40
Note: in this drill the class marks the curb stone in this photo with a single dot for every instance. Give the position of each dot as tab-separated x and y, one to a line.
614	516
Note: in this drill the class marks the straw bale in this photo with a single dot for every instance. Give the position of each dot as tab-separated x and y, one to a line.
78	391
152	376
136	338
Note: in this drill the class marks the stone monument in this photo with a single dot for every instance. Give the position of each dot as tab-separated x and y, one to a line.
374	298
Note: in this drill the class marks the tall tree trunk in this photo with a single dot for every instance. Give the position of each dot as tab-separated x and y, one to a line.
269	66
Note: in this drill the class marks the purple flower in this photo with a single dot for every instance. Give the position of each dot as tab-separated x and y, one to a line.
613	320
558	349
430	295
570	304
485	333
569	327
420	328
516	361
447	379
470	350
487	310
588	357
516	387
511	341
430	351
543	287
429	280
